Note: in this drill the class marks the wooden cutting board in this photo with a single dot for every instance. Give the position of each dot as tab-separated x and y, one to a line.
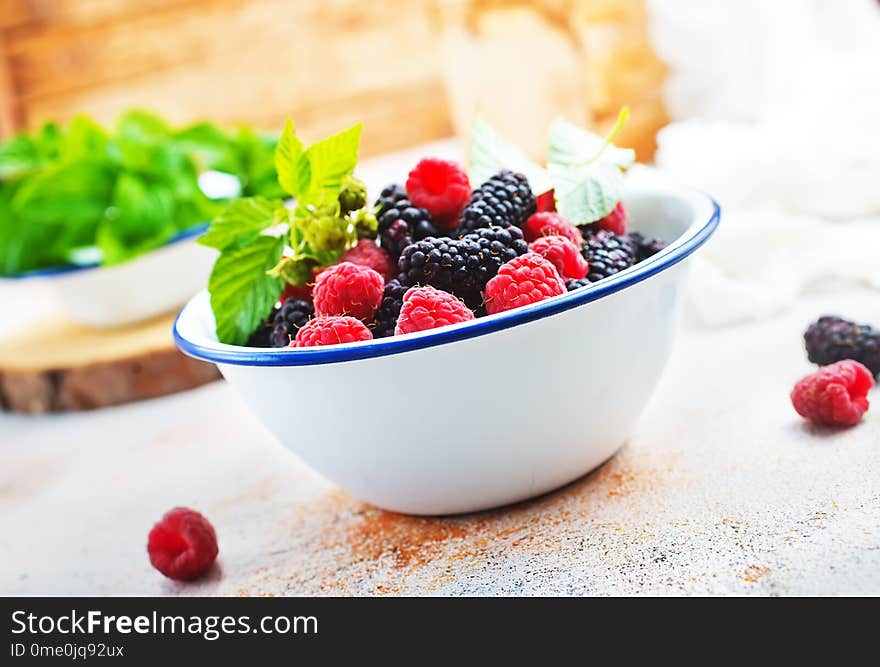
57	365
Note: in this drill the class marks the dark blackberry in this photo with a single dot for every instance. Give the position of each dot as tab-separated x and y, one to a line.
607	253
572	285
282	324
646	247
461	266
830	339
389	197
389	310
504	200
392	235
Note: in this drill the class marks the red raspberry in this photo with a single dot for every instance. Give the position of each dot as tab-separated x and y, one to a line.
614	222
546	202
440	186
428	308
835	395
348	289
564	254
303	292
551	224
523	280
367	253
183	545
331	330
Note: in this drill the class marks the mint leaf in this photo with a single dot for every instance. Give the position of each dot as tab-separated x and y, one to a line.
294	170
84	139
140	219
489	153
586	193
571	145
242	292
241	222
332	160
18	157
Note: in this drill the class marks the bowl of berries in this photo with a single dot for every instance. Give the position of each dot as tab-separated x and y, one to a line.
452	347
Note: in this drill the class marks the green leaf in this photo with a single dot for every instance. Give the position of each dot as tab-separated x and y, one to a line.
84	139
587	193
294	172
489	153
141	219
242	292
74	193
209	147
332	160
572	145
19	156
241	222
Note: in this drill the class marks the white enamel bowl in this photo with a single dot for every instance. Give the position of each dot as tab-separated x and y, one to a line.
149	285
484	413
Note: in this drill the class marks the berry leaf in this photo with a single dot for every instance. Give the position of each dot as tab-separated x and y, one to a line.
572	145
241	222
242	291
489	153
587	193
294	173
332	161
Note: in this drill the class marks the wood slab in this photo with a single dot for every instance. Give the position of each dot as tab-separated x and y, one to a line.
57	365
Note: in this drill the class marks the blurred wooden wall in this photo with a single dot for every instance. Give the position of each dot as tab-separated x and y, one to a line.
326	63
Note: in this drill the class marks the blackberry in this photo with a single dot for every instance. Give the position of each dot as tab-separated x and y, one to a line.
461	266
281	326
572	285
389	197
504	200
607	253
389	310
418	226
830	339
646	247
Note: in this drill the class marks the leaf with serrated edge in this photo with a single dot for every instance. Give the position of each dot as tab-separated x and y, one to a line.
571	145
586	194
241	221
489	153
242	292
332	159
291	163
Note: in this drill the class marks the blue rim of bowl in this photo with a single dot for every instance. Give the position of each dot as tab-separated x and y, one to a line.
64	269
249	356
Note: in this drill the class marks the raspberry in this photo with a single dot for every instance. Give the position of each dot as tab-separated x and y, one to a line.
564	255
607	253
550	224
831	339
441	187
614	222
386	316
302	292
331	330
835	395
348	289
367	253
182	545
522	281
428	308
546	202
282	324
504	200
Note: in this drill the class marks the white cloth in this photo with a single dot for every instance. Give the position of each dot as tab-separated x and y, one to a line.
775	109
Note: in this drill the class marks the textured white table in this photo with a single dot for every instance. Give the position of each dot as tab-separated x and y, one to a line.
722	490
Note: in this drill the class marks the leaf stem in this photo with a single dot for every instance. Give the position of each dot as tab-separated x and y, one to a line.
618	125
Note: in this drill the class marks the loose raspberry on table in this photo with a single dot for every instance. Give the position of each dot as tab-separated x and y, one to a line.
835	395
614	222
182	545
331	330
551	224
367	253
348	289
441	187
428	308
522	281
564	255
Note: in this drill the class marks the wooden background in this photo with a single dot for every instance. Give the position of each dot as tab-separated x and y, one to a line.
326	63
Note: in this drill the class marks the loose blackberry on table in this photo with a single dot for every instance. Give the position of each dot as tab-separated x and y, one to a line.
461	266
606	253
830	339
504	200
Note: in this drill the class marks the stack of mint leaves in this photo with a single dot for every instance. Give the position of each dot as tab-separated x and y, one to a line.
117	194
